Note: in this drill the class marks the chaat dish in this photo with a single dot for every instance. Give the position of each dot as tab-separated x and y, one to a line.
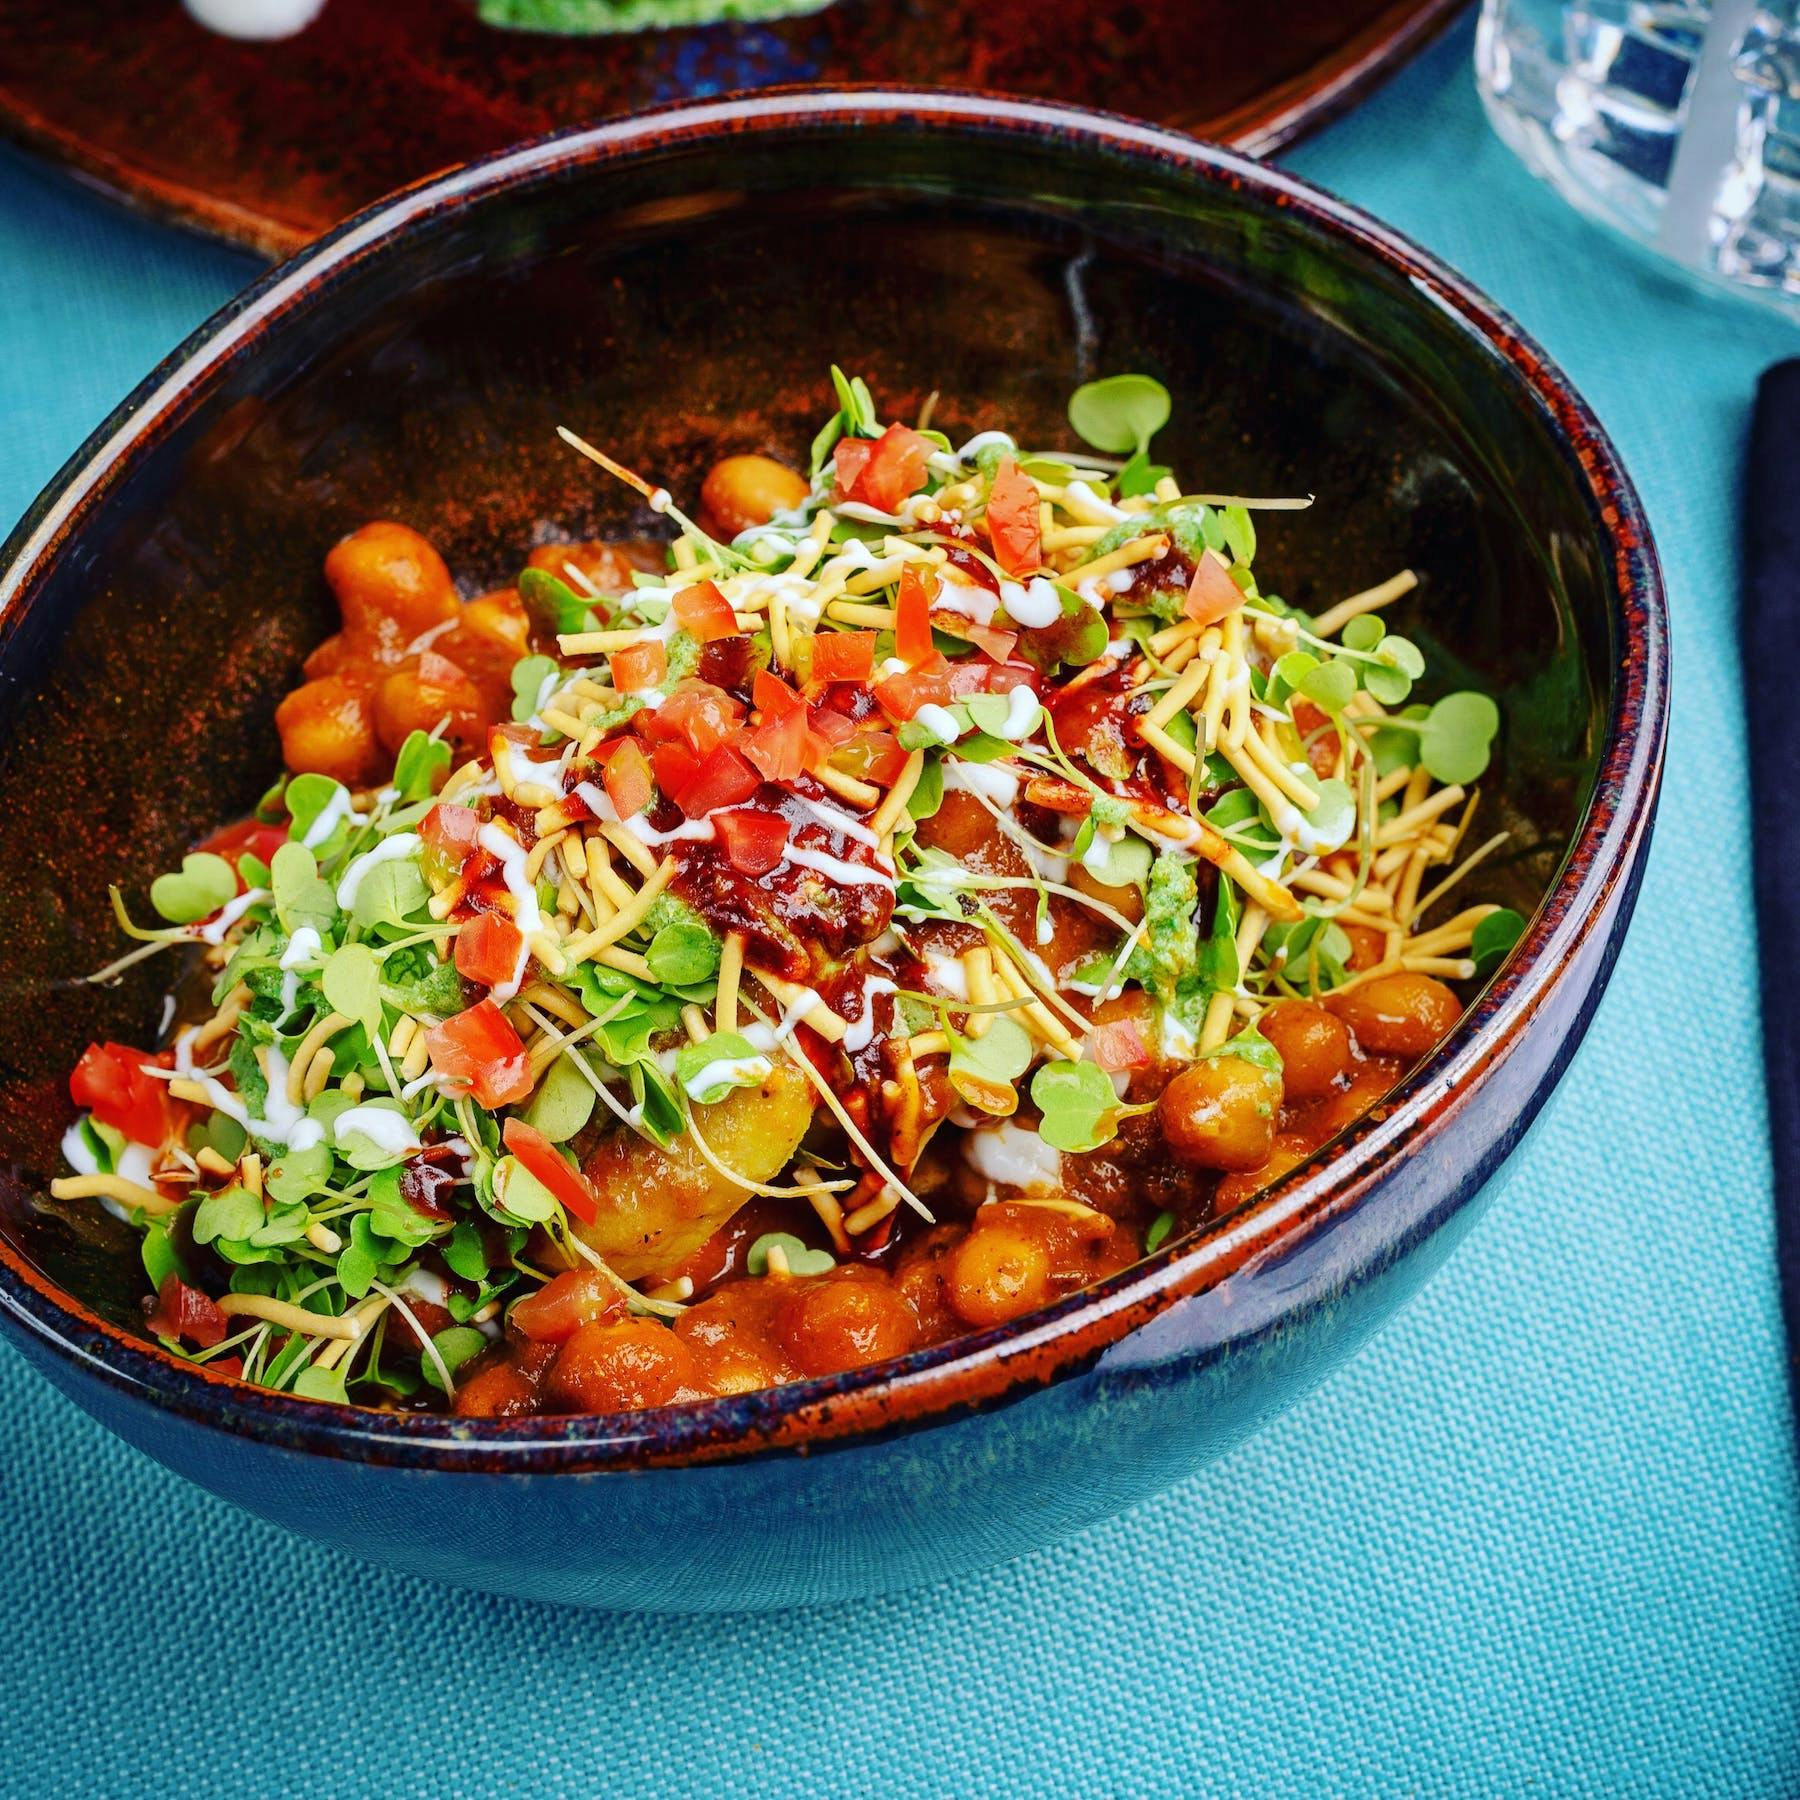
900	894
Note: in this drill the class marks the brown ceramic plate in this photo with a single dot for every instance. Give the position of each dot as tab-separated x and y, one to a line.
269	145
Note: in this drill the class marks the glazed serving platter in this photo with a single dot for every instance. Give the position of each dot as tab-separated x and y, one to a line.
269	144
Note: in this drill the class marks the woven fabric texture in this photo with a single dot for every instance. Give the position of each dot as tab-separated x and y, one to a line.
1540	1538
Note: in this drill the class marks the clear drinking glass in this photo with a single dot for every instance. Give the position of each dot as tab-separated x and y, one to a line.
1679	124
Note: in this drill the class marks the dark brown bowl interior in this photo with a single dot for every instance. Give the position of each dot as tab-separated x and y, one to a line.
674	303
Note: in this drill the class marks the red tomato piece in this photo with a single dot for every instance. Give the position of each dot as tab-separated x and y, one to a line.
564	1304
696	713
781	748
895	469
843	656
723	779
1120	1045
753	840
639	666
871	756
183	1312
480	1048
1007	676
773	697
993	644
1212	593
537	1154
110	1082
827	723
849	458
912	618
629	785
249	837
1012	519
703	612
488	948
676	766
902	695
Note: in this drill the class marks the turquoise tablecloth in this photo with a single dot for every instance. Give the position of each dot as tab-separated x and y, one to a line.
1540	1538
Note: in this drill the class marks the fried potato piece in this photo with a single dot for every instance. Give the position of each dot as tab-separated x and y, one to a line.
658	1206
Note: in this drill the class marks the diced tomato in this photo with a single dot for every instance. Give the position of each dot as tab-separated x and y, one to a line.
831	725
1212	593
871	756
883	473
1322	748
639	666
697	713
184	1313
1120	1045
902	695
537	1154
110	1082
249	837
753	840
487	949
449	834
993	643
912	618
723	779
970	676
676	766
781	748
1007	676
629	785
564	1304
1012	519
773	697
843	656
480	1048
703	612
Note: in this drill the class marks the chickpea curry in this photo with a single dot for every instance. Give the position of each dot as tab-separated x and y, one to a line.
912	891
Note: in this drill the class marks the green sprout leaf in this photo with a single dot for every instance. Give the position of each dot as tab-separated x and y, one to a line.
1456	736
322	1384
709	1071
800	1260
308	796
563	1103
1330	686
1363	632
520	1195
554	606
422	764
1493	940
302	896
352	984
529	674
1078	1104
455	1345
1158	1233
983	1069
683	952
464	1253
203	884
1120	413
232	1212
296	1175
389	894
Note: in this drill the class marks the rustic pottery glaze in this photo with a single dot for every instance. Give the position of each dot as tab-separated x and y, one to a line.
674	286
301	133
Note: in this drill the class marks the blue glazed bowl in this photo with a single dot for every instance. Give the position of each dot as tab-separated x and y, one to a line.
675	285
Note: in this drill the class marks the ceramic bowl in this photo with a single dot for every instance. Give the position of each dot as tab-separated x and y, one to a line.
675	286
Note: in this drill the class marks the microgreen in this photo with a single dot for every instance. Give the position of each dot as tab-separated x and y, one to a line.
421	766
352	983
983	1069
708	1071
682	953
564	1101
302	897
308	797
529	674
203	884
1456	735
1158	1232
800	1259
455	1345
1078	1105
553	604
1493	940
1119	413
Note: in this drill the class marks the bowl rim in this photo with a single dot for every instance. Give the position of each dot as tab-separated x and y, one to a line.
989	1368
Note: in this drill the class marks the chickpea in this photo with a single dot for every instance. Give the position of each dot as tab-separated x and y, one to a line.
996	1273
1127	901
1398	1015
406	702
608	569
498	621
743	491
1289	1150
1220	1113
620	1368
500	1390
328	728
845	1321
1314	1045
390	583
1368	947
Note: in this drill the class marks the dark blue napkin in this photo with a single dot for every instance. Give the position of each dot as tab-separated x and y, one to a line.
1769	638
